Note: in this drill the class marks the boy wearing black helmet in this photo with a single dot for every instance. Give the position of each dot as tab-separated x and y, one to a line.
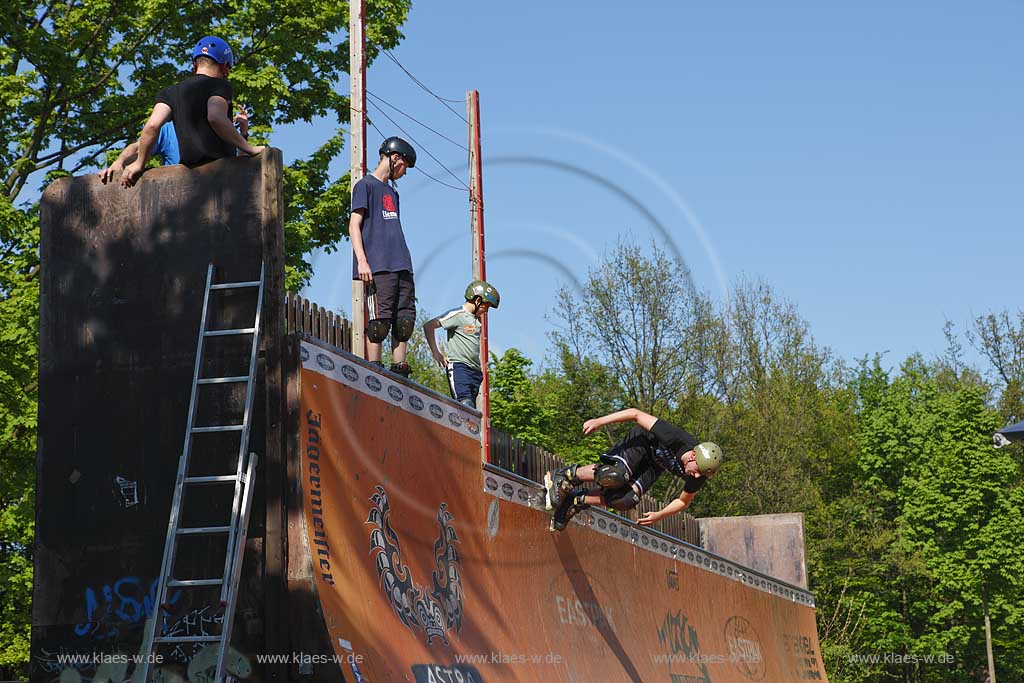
200	107
380	256
631	467
463	324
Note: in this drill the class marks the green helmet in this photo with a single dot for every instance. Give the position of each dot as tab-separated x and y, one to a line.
479	288
708	457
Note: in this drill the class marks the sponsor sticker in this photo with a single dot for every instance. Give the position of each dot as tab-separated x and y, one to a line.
745	651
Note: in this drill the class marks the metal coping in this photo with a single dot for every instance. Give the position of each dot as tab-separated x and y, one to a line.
345	368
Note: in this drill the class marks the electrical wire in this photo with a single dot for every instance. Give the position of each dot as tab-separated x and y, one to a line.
442	100
424	148
439	182
439	134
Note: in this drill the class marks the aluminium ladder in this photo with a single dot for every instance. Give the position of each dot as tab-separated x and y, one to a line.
243	480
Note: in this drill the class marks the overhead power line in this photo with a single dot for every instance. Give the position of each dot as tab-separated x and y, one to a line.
442	100
408	116
464	186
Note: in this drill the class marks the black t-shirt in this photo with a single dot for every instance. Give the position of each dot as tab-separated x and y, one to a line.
668	442
188	100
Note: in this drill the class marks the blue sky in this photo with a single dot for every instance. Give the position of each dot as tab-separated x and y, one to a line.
864	160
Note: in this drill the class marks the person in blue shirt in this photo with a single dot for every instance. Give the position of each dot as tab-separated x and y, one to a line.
166	148
380	255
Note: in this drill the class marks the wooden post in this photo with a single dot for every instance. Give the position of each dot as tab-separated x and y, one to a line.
988	641
476	215
357	125
273	466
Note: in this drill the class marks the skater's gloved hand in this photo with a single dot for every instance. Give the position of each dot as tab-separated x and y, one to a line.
590	426
649	518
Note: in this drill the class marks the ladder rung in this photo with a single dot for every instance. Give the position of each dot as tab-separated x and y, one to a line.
187	639
236	285
223	380
221	428
194	583
228	333
215	479
204	530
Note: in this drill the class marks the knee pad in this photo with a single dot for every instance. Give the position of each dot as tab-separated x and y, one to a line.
404	328
611	476
622	499
377	330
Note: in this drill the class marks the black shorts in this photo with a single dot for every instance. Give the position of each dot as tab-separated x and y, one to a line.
634	452
395	297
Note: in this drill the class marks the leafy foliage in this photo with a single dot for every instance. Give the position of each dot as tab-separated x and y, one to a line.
19	315
515	407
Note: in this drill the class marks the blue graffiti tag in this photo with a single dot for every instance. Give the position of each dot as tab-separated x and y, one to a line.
125	603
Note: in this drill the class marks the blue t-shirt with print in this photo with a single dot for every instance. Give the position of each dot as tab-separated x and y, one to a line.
383	239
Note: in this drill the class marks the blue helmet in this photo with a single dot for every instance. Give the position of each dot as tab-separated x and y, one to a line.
215	48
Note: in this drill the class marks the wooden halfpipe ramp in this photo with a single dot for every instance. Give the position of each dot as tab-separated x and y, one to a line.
429	567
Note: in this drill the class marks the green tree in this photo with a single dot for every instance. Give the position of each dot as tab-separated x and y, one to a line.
638	317
19	313
578	389
785	409
934	531
515	406
1000	339
77	81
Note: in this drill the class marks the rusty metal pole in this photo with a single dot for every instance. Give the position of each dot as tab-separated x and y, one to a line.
357	126
476	214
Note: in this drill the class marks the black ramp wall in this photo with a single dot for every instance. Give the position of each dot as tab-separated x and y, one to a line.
123	275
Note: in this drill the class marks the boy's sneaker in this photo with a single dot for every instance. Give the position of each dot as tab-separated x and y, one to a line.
402	369
567	510
558	486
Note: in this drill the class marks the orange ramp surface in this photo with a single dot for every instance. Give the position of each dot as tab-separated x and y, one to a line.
430	567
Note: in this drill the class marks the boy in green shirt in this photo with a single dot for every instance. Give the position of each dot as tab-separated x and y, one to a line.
463	325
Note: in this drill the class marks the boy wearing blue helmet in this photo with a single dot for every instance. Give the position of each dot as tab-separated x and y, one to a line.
199	107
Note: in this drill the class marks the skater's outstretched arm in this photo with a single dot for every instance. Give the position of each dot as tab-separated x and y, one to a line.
628	415
676	506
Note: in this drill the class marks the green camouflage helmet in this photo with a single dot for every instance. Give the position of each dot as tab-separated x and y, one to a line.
479	288
708	457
